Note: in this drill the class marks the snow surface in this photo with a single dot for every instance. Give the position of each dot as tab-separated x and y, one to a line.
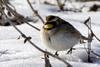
14	53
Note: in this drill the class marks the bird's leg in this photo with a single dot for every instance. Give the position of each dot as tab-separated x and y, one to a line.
70	50
56	53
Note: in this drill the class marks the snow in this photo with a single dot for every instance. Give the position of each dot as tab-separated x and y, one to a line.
15	53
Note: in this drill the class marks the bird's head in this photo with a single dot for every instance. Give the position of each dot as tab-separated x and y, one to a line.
52	22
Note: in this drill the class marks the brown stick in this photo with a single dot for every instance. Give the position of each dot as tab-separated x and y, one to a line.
91	29
20	19
36	12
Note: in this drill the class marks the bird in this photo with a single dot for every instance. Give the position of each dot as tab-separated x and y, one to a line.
59	35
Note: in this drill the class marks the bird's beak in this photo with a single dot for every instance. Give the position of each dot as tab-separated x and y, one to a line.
48	26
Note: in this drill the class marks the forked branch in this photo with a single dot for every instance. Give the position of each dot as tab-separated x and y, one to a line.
36	12
90	29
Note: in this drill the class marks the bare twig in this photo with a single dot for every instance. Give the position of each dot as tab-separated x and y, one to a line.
36	12
47	61
91	29
20	17
95	54
90	36
7	2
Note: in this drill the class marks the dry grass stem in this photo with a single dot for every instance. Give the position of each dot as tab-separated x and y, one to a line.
36	12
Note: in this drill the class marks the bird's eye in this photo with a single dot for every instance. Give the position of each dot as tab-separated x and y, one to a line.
48	26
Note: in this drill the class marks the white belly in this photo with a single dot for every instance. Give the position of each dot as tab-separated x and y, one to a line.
60	42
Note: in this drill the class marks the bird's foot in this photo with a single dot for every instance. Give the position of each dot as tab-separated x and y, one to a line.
56	53
70	50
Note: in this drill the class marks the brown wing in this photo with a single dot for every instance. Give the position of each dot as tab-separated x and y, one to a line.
70	29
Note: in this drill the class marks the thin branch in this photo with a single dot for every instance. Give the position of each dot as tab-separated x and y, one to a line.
90	36
47	61
95	54
36	12
91	29
32	26
20	19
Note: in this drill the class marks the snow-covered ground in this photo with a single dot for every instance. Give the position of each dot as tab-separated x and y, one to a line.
14	53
